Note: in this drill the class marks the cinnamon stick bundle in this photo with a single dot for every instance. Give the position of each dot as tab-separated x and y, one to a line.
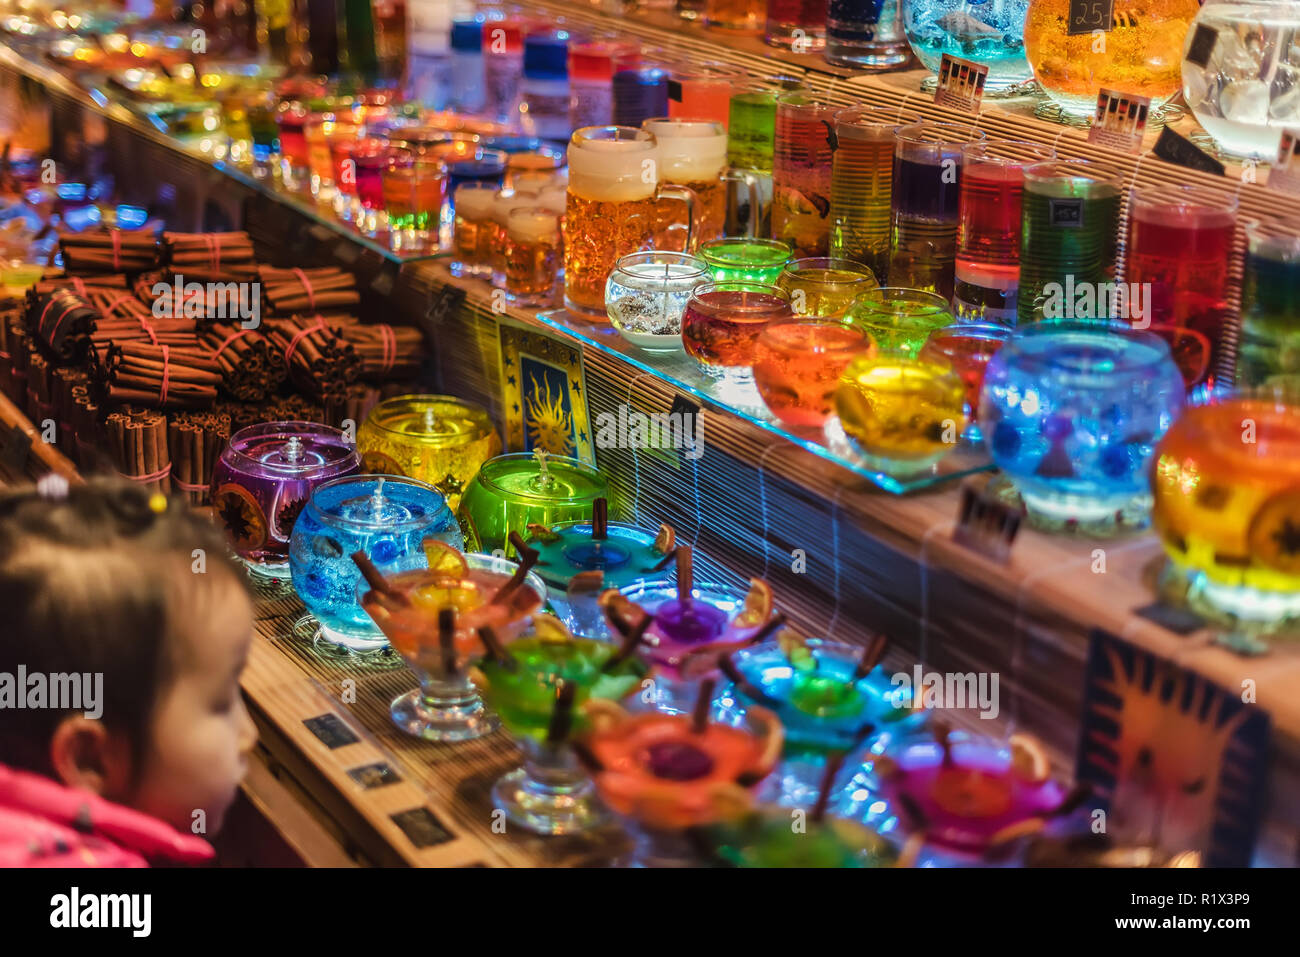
159	377
319	360
108	250
211	257
137	447
251	368
386	351
195	441
62	322
324	289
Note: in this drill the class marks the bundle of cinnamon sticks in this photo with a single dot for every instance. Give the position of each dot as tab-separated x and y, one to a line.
251	368
385	351
211	257
324	290
126	318
195	441
108	250
137	447
62	322
160	377
319	360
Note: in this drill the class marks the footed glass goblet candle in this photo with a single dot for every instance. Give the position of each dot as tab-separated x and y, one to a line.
690	625
514	491
1227	505
967	794
540	685
902	415
1072	412
437	439
831	698
385	517
434	618
666	773
580	560
263	481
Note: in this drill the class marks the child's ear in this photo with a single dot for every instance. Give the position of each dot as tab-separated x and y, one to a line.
86	755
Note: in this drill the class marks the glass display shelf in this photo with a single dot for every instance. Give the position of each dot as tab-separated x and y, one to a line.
681	371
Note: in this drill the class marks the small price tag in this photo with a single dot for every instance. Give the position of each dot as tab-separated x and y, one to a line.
421	828
1174	148
1121	120
961	84
1089	16
331	731
13	455
675	91
1285	174
986	525
1202	46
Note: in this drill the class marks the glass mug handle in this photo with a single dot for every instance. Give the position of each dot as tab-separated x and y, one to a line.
749	180
687	196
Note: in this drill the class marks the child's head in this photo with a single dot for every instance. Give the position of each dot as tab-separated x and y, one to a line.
107	580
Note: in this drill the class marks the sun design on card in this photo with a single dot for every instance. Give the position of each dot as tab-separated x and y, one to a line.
1169	758
550	425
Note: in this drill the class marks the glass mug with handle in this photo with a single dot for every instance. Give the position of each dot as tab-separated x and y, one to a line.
693	154
612	208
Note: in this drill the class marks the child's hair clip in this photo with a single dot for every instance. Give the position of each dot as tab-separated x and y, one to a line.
158	503
53	487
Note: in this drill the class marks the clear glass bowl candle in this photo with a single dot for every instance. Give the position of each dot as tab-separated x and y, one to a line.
992	34
1072	412
511	492
901	414
264	479
386	517
824	288
798	364
899	320
1227	504
753	260
646	295
437	439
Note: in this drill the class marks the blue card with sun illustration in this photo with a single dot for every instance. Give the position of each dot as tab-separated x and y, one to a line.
1175	761
544	393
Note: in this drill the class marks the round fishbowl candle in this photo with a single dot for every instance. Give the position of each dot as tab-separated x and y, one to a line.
901	414
646	295
264	479
434	438
1226	484
1072	412
387	518
511	492
991	34
742	258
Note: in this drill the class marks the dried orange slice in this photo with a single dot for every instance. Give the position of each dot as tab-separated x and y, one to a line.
242	516
586	583
542	533
445	561
758	605
1274	536
666	540
548	628
1028	759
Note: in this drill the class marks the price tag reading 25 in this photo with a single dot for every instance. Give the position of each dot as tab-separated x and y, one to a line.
1089	16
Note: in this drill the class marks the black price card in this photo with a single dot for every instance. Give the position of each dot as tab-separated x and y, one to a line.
986	525
1089	16
1202	46
14	452
675	91
1174	148
444	304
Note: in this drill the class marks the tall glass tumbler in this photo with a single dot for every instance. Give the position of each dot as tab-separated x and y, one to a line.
611	208
862	177
1180	242
1069	239
924	211
693	154
988	230
797	25
751	143
1269	353
640	92
413	201
591	79
866	34
801	174
471	243
702	91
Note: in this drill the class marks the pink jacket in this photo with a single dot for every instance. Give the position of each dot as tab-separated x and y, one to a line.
44	824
